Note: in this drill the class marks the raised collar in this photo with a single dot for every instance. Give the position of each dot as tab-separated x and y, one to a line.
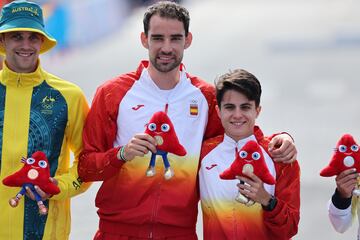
239	144
15	79
146	76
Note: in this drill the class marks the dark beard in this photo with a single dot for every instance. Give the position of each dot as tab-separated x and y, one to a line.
164	68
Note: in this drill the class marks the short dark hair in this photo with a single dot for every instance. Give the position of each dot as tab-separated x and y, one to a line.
240	81
167	9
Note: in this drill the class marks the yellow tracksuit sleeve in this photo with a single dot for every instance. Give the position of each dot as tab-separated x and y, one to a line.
68	180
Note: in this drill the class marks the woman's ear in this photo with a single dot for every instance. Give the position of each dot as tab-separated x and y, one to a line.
258	110
217	110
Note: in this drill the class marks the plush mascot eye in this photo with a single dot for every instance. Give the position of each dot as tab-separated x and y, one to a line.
355	148
42	164
30	161
243	154
152	127
256	156
165	127
342	148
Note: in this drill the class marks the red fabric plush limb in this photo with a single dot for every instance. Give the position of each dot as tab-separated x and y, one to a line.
346	156
161	128
35	171
249	158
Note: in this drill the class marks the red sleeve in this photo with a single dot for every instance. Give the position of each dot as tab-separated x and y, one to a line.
98	159
282	222
214	126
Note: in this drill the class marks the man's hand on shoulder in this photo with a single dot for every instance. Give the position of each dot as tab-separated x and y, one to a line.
282	148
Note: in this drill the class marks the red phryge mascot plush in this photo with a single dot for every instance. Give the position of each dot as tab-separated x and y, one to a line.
36	171
346	156
249	159
161	128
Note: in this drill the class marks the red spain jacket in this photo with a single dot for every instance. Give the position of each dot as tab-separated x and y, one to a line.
129	202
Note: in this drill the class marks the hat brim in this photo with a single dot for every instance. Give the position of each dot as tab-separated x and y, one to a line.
26	24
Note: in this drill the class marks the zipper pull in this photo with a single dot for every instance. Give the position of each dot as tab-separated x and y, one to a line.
19	81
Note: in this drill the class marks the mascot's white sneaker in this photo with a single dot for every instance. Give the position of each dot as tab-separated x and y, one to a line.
150	172
250	203
241	198
356	192
244	200
169	173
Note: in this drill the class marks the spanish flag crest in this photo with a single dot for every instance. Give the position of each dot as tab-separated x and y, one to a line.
194	109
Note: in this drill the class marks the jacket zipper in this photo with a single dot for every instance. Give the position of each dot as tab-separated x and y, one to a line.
18	81
234	221
154	210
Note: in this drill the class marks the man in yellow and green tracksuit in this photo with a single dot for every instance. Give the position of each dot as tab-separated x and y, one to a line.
38	112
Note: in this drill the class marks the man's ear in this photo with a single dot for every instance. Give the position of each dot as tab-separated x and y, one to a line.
42	38
144	40
188	40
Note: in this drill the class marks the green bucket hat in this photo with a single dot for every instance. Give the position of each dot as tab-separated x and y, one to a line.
22	15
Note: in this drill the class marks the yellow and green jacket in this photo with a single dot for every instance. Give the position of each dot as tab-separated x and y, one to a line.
39	111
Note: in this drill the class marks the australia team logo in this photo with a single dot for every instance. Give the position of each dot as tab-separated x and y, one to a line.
47	104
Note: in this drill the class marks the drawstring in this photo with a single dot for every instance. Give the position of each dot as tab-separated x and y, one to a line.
166	108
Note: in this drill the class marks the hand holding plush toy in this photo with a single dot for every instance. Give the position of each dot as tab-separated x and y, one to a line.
161	128
249	159
36	171
346	156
